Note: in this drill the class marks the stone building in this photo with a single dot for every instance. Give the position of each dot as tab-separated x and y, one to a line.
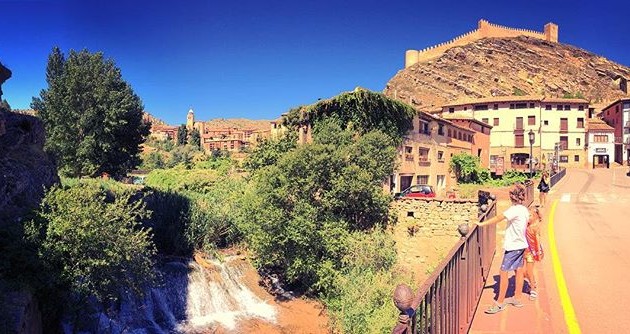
617	115
553	122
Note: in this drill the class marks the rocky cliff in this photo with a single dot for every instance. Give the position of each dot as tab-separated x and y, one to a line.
25	169
509	66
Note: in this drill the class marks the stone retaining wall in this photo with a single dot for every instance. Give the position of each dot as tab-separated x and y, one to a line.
435	217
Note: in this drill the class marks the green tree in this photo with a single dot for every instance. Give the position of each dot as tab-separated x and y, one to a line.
182	135
92	117
195	138
153	160
269	151
467	169
93	240
300	211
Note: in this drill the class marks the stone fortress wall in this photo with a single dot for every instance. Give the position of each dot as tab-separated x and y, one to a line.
484	29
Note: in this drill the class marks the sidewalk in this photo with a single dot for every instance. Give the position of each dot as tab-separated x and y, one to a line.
534	316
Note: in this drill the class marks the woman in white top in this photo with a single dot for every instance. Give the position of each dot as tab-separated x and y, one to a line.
514	244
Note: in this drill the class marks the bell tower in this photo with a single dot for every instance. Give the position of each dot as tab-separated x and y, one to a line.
190	120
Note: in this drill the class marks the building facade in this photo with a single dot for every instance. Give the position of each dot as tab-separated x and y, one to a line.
600	142
617	115
425	155
552	122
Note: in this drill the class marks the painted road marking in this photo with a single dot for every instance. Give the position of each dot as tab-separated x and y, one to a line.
567	307
565	198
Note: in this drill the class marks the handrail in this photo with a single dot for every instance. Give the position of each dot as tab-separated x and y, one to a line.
449	297
555	178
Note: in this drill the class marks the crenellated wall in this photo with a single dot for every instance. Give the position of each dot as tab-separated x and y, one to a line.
484	29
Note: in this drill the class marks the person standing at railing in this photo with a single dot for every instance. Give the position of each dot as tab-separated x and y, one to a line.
534	252
514	244
543	188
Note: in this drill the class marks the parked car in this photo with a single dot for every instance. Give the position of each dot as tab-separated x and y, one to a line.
418	190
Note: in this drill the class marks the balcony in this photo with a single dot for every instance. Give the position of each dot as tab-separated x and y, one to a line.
627	124
564	130
408	157
424	161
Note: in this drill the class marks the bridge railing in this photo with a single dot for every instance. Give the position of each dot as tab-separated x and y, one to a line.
555	178
449	297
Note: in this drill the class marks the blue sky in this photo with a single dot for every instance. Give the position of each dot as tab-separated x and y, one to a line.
257	59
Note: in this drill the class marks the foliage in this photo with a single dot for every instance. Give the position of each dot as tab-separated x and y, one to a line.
302	209
181	179
4	106
153	160
182	135
195	138
509	178
576	95
93	241
361	109
269	151
467	169
92	117
518	92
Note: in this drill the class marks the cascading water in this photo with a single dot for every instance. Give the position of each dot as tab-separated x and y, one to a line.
192	298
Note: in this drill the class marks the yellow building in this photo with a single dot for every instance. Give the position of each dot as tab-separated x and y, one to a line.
424	156
551	121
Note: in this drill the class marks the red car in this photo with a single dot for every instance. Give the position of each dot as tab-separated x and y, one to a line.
418	190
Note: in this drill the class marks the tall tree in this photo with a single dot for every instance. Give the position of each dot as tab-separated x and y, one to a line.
93	118
182	135
195	138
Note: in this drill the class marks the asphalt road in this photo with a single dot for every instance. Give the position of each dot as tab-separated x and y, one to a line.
592	230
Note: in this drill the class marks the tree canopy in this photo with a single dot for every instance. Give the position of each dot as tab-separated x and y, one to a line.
92	117
360	109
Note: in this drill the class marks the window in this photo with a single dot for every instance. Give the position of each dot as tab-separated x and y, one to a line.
559	107
564	125
564	158
576	158
451	110
531	106
519	140
531	120
600	138
485	120
424	128
580	123
548	107
481	107
564	142
578	142
465	108
495	121
449	133
441	181
459	135
441	129
423	154
423	179
440	156
581	108
519	123
520	106
546	122
567	107
496	106
511	105
408	149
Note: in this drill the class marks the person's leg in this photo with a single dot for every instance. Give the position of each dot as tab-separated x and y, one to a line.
533	283
518	292
543	198
503	285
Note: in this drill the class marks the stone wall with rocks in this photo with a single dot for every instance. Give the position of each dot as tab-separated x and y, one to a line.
435	217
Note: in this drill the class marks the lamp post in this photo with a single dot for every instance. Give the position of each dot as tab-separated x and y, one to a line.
531	149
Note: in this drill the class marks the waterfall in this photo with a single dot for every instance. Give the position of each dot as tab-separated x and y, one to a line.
192	298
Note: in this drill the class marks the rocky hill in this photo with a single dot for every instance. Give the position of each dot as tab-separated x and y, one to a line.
509	66
239	123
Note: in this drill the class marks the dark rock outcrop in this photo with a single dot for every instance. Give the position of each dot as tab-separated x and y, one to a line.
509	66
25	169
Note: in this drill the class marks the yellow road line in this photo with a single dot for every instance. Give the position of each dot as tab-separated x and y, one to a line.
569	312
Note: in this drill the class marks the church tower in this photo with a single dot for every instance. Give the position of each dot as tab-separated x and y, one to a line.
190	120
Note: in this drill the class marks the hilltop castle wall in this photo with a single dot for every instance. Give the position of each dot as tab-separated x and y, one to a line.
484	29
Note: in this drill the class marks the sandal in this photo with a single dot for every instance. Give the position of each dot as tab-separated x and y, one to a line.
515	302
496	308
533	295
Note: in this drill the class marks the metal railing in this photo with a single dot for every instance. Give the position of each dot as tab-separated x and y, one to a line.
529	193
557	177
449	297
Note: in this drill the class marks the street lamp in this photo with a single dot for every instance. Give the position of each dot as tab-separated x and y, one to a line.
531	144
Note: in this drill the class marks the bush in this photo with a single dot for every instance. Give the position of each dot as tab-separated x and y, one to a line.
93	241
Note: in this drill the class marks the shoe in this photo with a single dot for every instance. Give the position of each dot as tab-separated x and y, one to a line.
515	302
533	295
496	308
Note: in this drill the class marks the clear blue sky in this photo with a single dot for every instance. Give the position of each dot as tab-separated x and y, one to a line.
257	59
